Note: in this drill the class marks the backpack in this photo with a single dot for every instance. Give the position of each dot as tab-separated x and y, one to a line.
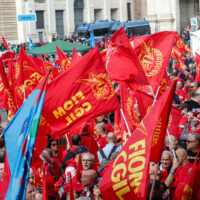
105	159
69	156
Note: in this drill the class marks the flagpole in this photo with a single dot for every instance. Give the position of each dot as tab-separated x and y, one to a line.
122	112
173	151
190	115
155	99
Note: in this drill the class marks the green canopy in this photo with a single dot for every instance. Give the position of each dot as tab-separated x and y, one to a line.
66	47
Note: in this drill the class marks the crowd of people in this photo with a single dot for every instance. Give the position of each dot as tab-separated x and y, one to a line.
74	165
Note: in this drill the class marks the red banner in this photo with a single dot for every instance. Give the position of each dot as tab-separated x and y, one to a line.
63	61
5	43
127	104
127	177
122	64
153	52
181	45
79	94
188	189
75	57
144	103
8	91
6	57
197	77
27	74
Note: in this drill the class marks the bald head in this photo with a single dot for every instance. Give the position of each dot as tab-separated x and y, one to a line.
111	137
173	143
182	156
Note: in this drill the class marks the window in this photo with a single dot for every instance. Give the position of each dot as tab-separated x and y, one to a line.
40	19
129	11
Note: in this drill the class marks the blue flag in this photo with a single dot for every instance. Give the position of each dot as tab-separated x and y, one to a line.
92	41
31	45
20	136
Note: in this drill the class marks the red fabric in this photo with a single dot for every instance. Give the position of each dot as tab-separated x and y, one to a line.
75	57
6	57
73	148
190	182
27	74
64	62
49	178
101	142
128	105
163	176
88	93
181	173
5	43
182	95
163	84
197	77
122	180
11	103
144	103
122	64
38	175
153	52
117	124
181	45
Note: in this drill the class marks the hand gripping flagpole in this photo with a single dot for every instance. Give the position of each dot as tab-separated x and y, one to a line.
155	99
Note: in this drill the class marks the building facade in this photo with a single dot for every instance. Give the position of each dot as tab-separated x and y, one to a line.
57	18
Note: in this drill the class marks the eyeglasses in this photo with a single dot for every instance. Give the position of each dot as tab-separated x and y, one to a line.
189	141
86	160
54	144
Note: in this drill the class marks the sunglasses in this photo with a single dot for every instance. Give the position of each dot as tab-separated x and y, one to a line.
54	144
189	141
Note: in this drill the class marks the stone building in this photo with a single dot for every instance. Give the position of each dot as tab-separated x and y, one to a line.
59	18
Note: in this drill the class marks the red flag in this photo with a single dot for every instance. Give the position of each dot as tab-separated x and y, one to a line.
64	61
27	74
163	85
127	177
5	43
47	66
144	103
196	192
117	124
188	189
75	56
181	45
11	78
2	92
153	52
176	53
10	97
6	57
197	77
122	65
42	43
127	103
103	55
87	92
